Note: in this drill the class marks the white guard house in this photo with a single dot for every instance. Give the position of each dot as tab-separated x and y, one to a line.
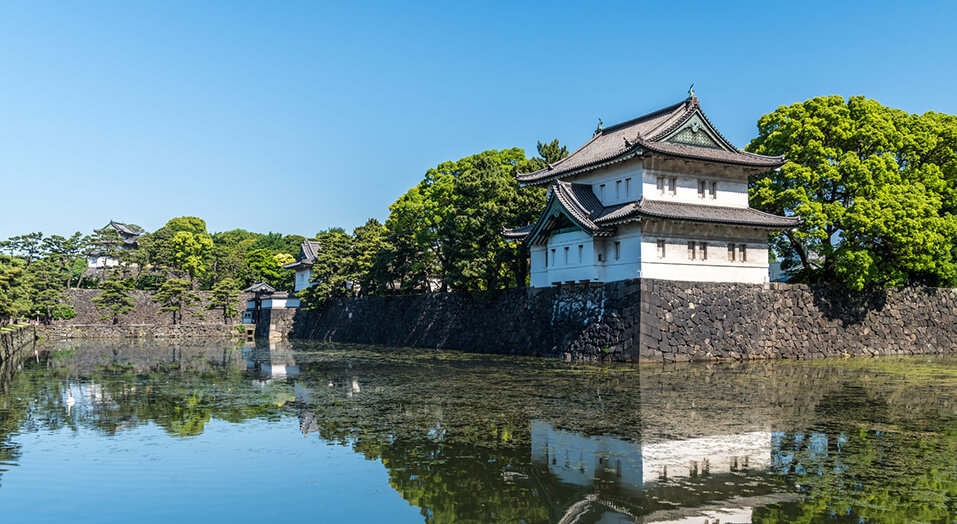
127	241
662	196
303	264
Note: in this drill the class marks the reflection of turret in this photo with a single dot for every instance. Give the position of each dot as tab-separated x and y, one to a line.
580	460
612	473
273	359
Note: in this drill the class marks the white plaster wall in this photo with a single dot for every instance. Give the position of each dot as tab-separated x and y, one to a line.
628	263
302	279
732	191
280	303
677	265
575	268
616	176
101	262
537	270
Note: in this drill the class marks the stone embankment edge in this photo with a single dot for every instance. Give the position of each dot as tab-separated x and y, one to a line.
12	342
165	331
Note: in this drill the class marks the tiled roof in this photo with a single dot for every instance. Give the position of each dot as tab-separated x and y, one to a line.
646	133
307	255
581	205
518	233
744	216
121	228
260	287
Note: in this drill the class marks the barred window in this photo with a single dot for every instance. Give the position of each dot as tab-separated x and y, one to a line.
703	251
692	248
731	252
617	250
661	185
661	249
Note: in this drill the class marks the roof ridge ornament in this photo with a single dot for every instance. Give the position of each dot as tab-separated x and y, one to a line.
600	127
691	91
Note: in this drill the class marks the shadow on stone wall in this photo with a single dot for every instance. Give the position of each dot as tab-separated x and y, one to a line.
847	306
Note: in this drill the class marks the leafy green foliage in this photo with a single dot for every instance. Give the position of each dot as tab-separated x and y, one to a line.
875	187
331	270
114	300
224	296
175	296
14	289
265	265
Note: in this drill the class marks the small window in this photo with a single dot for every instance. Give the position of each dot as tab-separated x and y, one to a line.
546	258
714	190
743	252
627	187
617	250
581	251
702	187
618	189
599	257
661	185
673	185
601	192
692	248
566	255
730	252
703	251
661	249
553	257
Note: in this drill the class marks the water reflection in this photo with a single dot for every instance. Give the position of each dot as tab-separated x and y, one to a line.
468	437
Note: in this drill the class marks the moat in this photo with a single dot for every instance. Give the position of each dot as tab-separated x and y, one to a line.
105	430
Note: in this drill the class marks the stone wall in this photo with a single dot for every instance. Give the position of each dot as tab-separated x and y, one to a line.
14	341
543	321
647	320
696	321
145	312
219	331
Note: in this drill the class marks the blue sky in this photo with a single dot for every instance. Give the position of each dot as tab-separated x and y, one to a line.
294	117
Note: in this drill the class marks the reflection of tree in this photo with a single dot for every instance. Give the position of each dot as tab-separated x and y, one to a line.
852	472
453	430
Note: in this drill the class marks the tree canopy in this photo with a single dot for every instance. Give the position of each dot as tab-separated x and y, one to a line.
874	186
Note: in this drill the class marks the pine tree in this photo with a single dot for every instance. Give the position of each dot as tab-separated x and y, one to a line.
224	296
174	296
114	300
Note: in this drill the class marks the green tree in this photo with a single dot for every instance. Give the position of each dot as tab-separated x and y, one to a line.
266	266
175	296
190	252
873	185
68	254
368	241
28	246
224	296
15	290
46	279
114	300
552	151
331	275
